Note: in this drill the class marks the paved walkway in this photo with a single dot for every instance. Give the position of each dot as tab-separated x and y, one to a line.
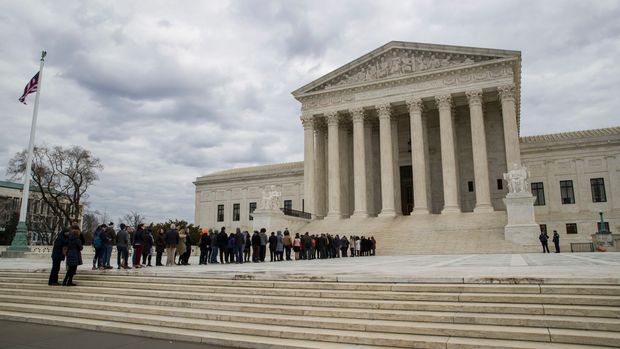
21	335
560	268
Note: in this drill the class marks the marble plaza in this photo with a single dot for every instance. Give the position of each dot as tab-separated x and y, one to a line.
410	143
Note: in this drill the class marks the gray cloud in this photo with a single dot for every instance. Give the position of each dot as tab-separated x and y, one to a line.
163	93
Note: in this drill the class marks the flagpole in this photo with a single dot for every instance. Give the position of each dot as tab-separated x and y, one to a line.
20	241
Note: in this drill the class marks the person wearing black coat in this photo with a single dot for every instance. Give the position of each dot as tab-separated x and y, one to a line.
57	256
255	247
148	247
160	246
544	240
273	241
205	247
188	249
556	241
222	243
73	248
172	240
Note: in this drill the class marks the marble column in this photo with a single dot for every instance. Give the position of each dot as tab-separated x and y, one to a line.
387	160
396	160
321	169
333	170
448	155
418	156
309	169
359	163
511	129
479	149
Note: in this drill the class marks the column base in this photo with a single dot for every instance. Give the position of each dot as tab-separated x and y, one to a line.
390	212
360	214
334	215
483	208
451	209
420	211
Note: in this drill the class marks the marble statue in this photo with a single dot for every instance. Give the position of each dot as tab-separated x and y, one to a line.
271	199
517	179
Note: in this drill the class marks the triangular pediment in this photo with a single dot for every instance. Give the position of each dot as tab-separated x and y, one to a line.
400	59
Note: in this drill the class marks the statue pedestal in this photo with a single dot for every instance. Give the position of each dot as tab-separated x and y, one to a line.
521	228
270	219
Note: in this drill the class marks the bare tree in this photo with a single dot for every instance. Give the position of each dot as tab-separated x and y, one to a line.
133	219
62	177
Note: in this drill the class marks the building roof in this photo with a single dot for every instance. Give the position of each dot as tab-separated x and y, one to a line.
283	169
572	135
13	185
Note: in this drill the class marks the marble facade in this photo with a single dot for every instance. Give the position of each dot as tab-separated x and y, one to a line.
423	132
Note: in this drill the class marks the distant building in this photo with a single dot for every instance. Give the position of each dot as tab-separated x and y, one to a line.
40	217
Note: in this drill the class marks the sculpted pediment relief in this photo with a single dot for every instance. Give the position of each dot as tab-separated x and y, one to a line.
398	62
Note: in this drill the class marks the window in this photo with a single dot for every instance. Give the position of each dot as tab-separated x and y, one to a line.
470	186
500	184
598	226
236	213
571	228
543	228
288	204
598	190
252	208
220	213
538	190
566	191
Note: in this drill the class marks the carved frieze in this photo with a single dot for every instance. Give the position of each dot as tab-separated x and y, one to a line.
399	62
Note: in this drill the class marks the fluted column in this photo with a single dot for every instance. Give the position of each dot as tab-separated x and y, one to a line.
309	169
418	156
448	155
333	170
479	149
321	169
387	160
511	130
359	163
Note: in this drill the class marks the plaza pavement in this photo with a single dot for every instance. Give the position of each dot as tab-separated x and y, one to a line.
533	267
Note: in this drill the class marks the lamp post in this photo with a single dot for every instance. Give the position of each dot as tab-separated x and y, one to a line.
603	229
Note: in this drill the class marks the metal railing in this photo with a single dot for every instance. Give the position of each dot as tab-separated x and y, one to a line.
296	213
582	247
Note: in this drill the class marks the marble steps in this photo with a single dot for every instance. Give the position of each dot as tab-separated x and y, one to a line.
323	318
425	337
348	303
514	285
561	299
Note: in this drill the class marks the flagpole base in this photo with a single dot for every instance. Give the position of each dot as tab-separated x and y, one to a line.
19	245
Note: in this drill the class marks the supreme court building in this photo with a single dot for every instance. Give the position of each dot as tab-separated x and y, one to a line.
409	143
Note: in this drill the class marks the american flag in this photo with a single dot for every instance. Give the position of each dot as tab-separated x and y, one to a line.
30	87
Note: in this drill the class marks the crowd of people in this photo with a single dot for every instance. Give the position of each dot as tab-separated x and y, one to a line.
215	246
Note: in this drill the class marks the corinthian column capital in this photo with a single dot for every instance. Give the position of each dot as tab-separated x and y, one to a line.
415	104
444	101
474	96
506	92
357	114
307	121
332	118
385	111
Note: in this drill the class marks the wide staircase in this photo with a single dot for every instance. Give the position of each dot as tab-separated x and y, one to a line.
244	312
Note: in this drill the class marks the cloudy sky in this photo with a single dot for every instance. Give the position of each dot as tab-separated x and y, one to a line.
165	91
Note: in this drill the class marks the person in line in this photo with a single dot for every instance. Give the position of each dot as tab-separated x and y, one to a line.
73	247
188	248
99	246
247	248
110	241
544	241
231	247
358	247
313	247
287	242
181	247
297	246
352	245
204	244
222	242
214	246
263	244
58	256
122	248
279	247
344	245
256	241
148	247
239	246
373	246
160	246
305	246
556	241
171	239
137	241
271	243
